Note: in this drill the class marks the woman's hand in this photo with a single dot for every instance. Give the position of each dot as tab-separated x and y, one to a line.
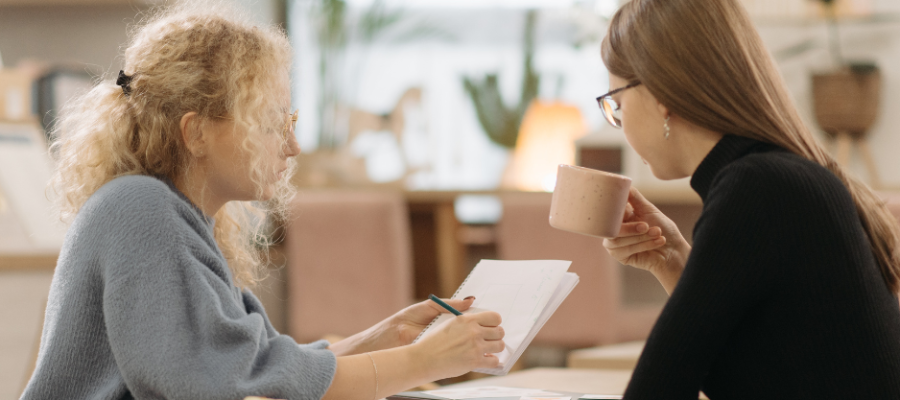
465	343
650	241
410	321
457	346
399	329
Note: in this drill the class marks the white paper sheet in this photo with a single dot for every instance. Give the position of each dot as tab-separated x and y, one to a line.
524	293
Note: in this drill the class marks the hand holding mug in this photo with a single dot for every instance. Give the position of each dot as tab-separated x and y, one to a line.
649	240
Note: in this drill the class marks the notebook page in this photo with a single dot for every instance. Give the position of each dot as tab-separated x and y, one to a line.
517	290
568	282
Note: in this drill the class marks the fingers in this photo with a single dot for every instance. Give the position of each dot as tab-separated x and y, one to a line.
489	361
635	197
487	318
494	346
633	228
459	304
493	333
629	212
622	241
623	253
637	200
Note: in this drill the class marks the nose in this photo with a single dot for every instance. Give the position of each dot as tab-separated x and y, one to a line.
291	146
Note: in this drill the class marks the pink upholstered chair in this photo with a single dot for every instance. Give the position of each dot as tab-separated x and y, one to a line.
349	261
593	313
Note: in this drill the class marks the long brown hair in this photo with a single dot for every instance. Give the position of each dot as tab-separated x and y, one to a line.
706	63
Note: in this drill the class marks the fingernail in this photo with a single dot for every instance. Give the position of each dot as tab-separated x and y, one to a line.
469	298
642	228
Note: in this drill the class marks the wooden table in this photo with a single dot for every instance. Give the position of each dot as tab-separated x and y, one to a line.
33	262
587	381
620	356
593	381
440	258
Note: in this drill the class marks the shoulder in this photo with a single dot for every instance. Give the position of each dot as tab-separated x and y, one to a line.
777	173
132	191
133	186
781	179
130	199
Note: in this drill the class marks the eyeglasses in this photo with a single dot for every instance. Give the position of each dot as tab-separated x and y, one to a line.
289	128
611	109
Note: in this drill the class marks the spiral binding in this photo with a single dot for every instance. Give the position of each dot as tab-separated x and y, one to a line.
462	285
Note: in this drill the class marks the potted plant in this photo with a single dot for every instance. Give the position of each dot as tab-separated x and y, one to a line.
499	121
846	99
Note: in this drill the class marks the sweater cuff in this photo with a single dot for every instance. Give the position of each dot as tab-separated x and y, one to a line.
317	345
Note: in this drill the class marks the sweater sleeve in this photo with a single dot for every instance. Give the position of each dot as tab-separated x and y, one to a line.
178	330
737	242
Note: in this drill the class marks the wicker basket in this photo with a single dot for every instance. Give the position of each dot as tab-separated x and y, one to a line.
847	101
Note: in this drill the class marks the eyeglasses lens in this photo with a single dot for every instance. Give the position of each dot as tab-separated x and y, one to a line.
611	111
291	125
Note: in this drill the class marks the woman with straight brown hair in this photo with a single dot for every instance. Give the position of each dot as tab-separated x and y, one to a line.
790	289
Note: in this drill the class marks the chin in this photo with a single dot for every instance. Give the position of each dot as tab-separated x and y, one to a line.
666	174
267	195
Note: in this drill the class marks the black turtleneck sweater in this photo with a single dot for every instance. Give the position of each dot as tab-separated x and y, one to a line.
781	296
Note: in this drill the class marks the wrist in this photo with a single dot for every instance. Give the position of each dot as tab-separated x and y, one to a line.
362	342
423	364
670	272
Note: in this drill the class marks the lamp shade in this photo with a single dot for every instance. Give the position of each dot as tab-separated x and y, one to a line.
546	139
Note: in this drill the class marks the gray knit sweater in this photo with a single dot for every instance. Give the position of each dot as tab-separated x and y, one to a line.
142	306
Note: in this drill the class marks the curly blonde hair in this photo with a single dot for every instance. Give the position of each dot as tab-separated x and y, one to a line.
198	57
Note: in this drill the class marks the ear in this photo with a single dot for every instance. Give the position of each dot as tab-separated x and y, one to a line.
192	135
663	110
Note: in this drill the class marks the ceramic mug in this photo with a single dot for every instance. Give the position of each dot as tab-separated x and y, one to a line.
589	201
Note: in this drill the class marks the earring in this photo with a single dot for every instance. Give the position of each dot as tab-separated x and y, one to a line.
666	127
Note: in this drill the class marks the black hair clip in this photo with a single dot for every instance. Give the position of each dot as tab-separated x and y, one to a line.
125	82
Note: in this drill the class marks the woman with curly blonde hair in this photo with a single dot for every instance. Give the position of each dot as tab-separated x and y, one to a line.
163	174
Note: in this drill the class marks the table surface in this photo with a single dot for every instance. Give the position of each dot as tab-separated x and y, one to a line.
589	381
594	381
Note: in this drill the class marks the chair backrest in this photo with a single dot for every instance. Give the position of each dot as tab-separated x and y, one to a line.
588	316
349	261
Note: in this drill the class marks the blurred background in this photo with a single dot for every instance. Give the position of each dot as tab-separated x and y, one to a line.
431	131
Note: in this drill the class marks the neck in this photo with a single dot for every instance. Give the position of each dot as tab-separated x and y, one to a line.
196	190
695	146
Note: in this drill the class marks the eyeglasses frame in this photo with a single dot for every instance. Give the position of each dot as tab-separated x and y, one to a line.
608	116
288	127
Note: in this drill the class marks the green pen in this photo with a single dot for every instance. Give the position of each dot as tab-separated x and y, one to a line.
445	305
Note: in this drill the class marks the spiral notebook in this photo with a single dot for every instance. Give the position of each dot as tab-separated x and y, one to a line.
524	293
